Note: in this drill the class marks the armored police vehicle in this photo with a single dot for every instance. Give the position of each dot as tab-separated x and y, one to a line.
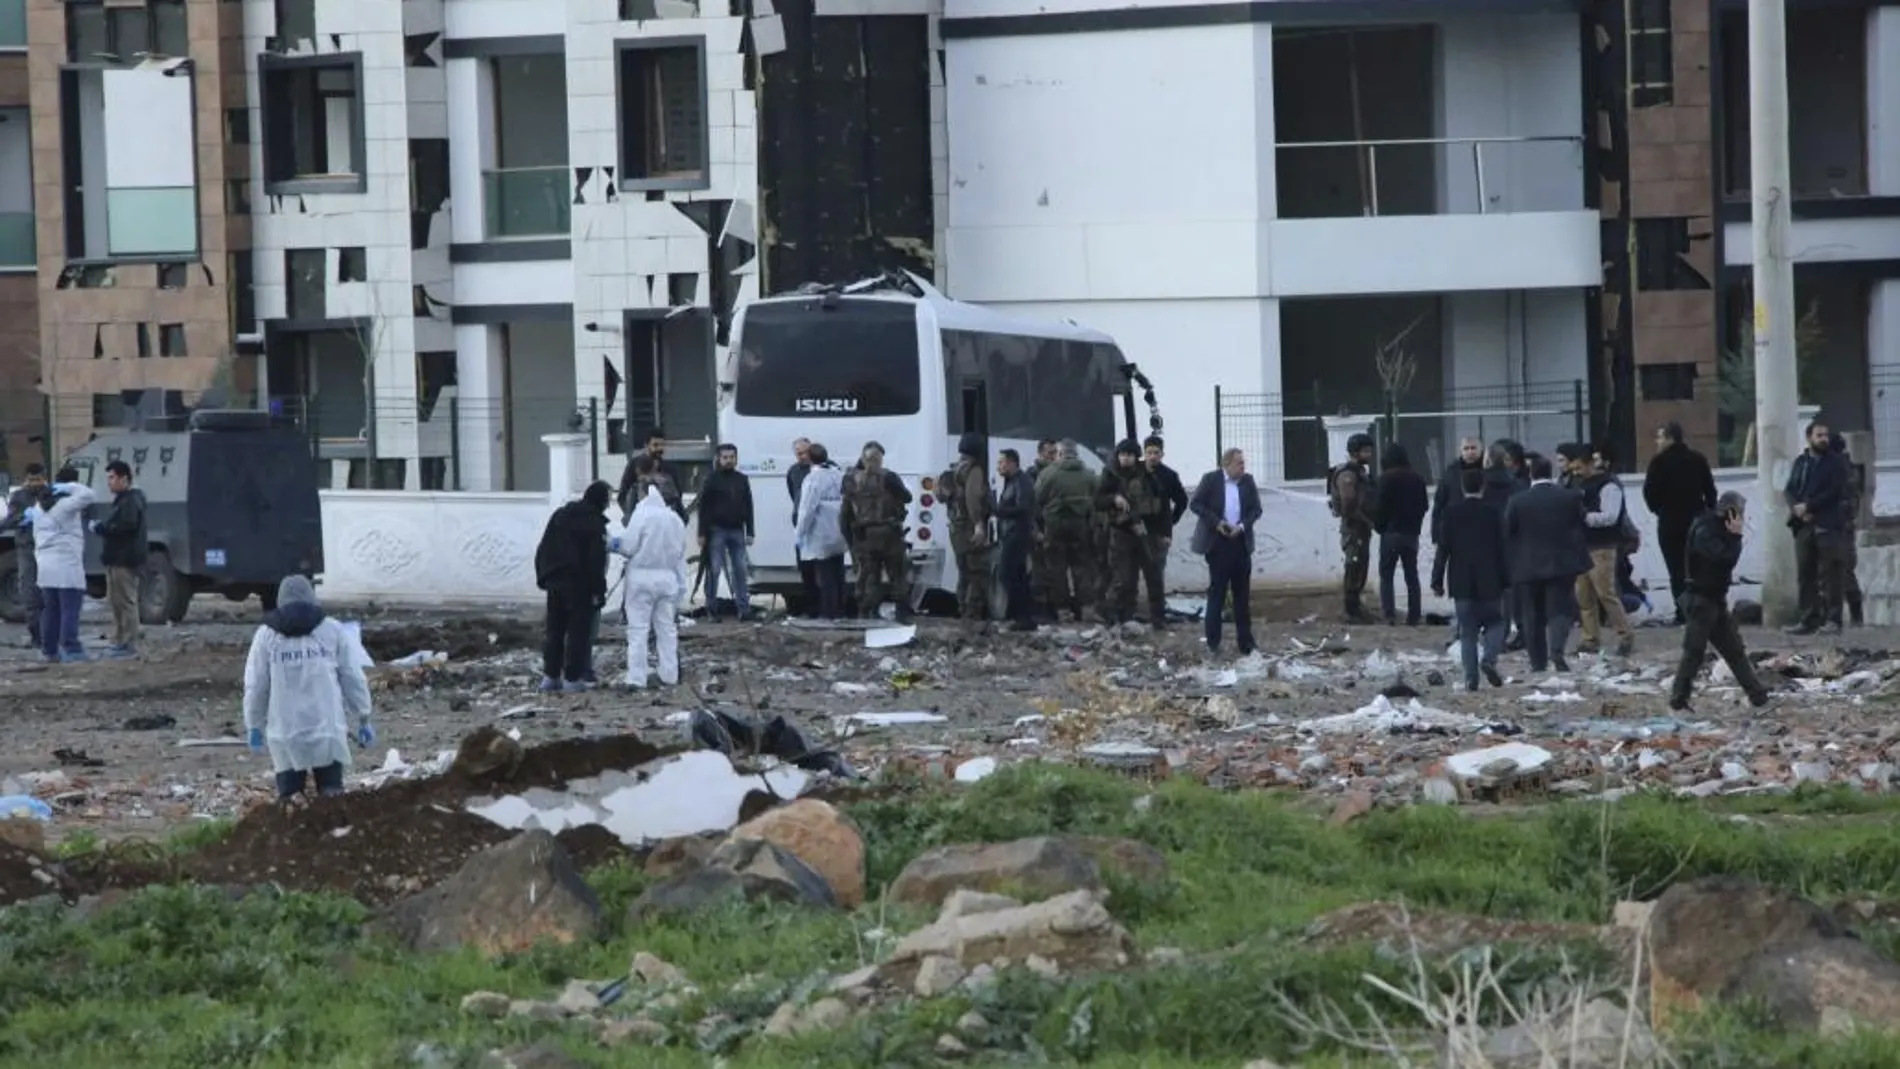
231	508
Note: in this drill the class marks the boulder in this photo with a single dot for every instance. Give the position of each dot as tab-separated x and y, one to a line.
820	836
1033	868
543	1055
502	901
677	857
1596	1035
1729	938
741	870
1071	932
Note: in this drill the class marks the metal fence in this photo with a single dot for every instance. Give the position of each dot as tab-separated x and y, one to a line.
1285	438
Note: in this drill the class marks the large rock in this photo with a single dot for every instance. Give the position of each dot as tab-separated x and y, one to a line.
1596	1035
821	837
1727	938
503	901
1071	932
740	870
1031	868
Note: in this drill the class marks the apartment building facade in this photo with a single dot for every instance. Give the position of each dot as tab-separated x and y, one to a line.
20	412
435	230
1516	218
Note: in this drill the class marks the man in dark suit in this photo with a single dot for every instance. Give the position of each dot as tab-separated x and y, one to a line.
1226	505
1817	506
1543	529
1471	561
1678	487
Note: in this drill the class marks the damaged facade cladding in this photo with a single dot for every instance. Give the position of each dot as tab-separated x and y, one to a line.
345	296
852	150
139	253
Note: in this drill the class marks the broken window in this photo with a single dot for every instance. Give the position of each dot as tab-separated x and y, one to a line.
144	340
237	125
663	116
312	123
171	339
530	191
304	283
172	276
1662	256
97	32
127	139
1666	382
1652	54
296	23
243	292
352	264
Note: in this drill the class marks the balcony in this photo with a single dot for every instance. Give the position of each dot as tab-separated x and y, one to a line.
17	250
526	202
1410	215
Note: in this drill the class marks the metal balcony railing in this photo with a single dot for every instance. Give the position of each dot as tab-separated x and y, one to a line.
16	238
527	202
1545	171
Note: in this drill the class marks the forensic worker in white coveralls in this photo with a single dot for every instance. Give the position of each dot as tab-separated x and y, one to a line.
654	544
303	688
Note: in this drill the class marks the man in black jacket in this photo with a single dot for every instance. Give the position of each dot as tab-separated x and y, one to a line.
1678	487
1168	484
570	564
1714	545
1471	564
671	488
1817	503
1599	602
726	530
1015	537
1543	528
123	553
1850	552
1450	484
1398	518
23	497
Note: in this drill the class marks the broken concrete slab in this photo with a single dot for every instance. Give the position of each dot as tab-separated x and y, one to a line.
1045	865
1069	933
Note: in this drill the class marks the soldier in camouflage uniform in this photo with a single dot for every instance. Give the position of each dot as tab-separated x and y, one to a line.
873	519
968	501
1350	496
1039	567
1065	503
1128	496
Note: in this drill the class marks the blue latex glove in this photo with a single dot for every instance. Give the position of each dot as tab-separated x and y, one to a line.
62	489
365	735
613	544
257	740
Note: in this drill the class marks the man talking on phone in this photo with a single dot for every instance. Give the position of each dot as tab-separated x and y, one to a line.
1715	545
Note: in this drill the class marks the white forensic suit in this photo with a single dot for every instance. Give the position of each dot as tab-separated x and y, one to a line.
654	544
303	683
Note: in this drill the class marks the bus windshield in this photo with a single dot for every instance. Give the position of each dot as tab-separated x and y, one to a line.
802	359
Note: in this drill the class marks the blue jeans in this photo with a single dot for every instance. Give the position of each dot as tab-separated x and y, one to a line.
59	622
725	554
1474	617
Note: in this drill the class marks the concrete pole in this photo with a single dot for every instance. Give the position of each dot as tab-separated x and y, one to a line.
1776	435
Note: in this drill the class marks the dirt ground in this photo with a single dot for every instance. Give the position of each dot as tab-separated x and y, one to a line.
117	747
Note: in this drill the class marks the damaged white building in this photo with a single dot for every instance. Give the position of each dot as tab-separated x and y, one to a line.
478	222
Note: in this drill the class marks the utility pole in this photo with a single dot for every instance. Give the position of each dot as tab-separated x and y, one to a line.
1775	413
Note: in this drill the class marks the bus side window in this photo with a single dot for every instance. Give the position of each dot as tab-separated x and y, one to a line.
976	408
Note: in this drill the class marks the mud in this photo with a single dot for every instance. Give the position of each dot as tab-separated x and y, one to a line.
463	638
374	845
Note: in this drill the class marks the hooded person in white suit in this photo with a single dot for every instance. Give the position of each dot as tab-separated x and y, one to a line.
59	550
654	544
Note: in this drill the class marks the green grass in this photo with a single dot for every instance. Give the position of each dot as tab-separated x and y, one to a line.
187	978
